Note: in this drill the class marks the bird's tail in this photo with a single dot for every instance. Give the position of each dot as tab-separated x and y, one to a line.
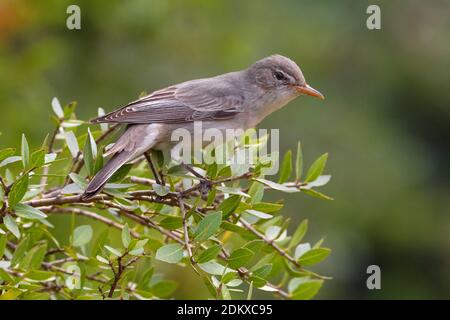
100	179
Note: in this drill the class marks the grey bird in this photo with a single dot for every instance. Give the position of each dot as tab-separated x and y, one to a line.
235	100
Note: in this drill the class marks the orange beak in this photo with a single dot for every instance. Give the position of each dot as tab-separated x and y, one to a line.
310	91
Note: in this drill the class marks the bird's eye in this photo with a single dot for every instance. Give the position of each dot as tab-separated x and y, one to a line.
279	75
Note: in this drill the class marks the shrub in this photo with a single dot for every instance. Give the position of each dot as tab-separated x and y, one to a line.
213	220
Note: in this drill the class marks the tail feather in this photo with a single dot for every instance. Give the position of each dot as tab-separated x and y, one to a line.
100	179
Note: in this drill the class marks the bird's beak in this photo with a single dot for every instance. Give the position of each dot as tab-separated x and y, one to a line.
310	91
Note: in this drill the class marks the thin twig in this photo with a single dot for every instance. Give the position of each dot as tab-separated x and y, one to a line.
92	215
185	230
149	159
271	243
46	169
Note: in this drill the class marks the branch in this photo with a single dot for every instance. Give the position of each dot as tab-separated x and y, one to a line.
271	243
92	215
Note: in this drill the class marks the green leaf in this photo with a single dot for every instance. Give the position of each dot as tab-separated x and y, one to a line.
78	180
319	182
229	205
144	280
307	290
229	276
160	190
263	272
98	163
259	214
29	212
38	158
319	243
138	244
93	144
213	267
25	151
171	223
136	252
170	253
103	126
299	162
126	236
82	235
11	294
102	259
225	293
208	226
10	160
121	173
18	190
286	167
277	186
256	191
69	109
317	168
2	244
239	257
72	143
209	254
57	109
39	275
250	291
301	249
164	288
267	207
235	191
89	153
274	233
299	234
11	225
20	250
5	153
314	256
255	245
4	276
238	229
35	257
209	285
114	251
316	194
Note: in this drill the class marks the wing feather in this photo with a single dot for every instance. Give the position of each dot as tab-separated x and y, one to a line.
190	101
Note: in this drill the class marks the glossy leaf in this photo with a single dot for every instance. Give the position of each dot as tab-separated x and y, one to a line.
11	225
208	226
313	256
239	258
317	168
170	253
82	235
286	168
18	190
25	152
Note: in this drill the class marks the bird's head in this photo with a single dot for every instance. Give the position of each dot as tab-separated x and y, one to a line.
281	75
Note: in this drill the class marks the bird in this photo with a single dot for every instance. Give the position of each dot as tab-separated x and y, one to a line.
234	100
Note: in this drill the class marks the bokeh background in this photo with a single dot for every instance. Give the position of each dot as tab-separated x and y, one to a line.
385	122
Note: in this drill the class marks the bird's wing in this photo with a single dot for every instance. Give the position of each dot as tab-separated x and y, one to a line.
187	102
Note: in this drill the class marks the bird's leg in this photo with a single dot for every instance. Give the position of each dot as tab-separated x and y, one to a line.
191	170
204	183
161	177
148	156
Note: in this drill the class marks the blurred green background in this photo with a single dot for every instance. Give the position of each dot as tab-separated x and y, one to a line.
385	122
